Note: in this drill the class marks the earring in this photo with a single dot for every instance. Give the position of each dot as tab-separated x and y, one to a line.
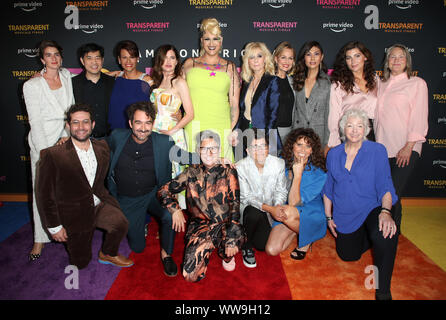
44	68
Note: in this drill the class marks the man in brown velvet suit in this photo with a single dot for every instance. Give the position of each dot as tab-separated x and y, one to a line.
71	196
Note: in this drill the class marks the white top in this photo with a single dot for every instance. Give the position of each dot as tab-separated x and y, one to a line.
90	165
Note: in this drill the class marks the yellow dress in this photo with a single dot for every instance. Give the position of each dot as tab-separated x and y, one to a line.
209	91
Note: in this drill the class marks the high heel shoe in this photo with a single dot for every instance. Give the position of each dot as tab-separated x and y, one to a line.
300	255
35	256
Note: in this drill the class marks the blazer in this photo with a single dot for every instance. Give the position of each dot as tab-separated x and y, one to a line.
63	193
46	115
314	113
264	105
161	154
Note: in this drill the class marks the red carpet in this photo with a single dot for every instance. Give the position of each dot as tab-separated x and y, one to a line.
146	280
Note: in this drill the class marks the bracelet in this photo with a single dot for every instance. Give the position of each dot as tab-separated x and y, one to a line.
385	209
329	218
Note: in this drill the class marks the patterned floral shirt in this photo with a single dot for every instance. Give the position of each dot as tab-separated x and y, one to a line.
212	196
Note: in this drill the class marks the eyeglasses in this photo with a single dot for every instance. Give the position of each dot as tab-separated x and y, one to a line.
213	149
258	146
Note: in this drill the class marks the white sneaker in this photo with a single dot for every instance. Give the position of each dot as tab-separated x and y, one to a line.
229	266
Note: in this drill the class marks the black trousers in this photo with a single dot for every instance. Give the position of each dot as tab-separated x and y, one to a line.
135	210
400	177
257	228
351	246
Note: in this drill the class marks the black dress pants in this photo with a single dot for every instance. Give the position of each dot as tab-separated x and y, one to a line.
351	246
257	228
400	177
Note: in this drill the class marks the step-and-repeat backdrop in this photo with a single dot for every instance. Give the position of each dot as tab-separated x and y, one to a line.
419	24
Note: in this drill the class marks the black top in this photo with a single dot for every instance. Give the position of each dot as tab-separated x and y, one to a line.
286	103
135	169
97	95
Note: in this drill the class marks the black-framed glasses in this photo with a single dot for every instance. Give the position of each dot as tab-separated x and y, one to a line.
213	149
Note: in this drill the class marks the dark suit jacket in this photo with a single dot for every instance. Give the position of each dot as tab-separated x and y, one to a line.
78	83
264	105
63	194
162	149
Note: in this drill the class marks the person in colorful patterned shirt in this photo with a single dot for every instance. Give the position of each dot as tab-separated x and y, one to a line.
213	202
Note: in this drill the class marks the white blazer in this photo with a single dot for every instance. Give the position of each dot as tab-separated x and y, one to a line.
45	113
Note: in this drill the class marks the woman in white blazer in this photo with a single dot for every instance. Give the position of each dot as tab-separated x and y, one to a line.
47	98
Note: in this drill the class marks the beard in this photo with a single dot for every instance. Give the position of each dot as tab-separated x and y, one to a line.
79	138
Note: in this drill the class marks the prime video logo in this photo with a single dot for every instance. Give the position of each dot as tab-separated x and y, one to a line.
337	27
276	4
30	53
441	163
27	6
147	4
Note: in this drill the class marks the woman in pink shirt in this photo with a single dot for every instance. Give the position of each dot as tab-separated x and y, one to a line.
401	120
354	83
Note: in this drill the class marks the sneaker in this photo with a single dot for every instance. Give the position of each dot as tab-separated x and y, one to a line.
249	258
229	266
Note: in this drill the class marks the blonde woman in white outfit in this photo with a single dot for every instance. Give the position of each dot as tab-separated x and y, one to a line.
47	97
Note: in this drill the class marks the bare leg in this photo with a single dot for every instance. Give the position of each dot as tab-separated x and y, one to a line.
279	239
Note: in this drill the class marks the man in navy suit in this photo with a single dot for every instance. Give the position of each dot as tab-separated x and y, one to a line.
140	164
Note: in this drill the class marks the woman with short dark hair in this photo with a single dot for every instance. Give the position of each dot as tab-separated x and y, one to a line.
130	86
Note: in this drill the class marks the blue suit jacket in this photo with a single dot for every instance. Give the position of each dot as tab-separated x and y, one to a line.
162	146
265	102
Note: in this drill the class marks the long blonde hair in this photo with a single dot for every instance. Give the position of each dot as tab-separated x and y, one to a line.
269	62
212	26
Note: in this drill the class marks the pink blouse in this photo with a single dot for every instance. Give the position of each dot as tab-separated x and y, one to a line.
340	102
402	113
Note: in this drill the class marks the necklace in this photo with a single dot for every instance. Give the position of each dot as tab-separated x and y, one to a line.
216	66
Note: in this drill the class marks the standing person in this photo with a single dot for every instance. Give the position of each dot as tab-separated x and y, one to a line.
169	93
259	98
312	84
213	202
304	213
140	162
93	87
262	186
354	85
214	88
401	121
71	195
284	62
47	97
131	85
358	198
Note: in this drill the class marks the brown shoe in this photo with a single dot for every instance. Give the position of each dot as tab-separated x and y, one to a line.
118	261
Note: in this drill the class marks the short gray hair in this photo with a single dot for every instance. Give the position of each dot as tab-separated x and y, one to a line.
206	134
354	113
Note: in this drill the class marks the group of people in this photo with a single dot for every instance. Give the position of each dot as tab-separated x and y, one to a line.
164	143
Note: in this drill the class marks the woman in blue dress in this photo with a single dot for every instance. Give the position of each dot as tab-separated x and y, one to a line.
303	216
130	86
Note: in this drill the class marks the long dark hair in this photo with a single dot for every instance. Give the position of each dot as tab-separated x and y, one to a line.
343	75
317	158
157	70
301	70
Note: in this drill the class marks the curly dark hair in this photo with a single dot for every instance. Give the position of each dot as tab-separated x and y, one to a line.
342	74
316	159
160	57
301	70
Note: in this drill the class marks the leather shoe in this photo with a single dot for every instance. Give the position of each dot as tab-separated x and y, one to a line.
118	261
170	268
